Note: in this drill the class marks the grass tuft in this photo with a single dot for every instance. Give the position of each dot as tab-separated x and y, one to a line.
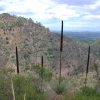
59	89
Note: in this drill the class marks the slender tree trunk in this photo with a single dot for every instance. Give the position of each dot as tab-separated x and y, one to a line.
13	90
85	80
17	62
41	71
87	66
24	96
61	48
60	68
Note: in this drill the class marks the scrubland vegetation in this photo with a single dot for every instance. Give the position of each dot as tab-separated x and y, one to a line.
28	87
42	79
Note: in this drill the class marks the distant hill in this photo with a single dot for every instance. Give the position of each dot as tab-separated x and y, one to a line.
34	40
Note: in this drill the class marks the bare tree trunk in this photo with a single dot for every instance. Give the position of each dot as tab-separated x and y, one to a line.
87	66
61	48
60	69
13	90
41	71
85	80
17	62
24	96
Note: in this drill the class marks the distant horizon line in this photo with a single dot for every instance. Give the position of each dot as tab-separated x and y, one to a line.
72	31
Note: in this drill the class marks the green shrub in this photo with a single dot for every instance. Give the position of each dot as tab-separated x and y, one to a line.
47	75
6	38
5	85
27	67
22	85
84	94
26	55
59	89
87	91
7	53
30	20
26	85
7	42
4	32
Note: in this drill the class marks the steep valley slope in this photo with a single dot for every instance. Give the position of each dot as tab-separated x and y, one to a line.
34	40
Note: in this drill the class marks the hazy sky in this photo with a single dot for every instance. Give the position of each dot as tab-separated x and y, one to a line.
80	15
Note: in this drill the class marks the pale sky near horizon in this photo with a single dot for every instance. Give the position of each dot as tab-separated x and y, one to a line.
78	15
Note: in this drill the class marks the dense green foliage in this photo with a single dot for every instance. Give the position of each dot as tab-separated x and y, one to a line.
84	94
22	85
26	85
59	89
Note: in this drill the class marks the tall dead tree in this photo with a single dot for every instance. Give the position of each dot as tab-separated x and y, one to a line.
87	68
61	48
17	62
41	71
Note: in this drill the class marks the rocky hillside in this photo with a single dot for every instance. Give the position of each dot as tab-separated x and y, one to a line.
34	40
